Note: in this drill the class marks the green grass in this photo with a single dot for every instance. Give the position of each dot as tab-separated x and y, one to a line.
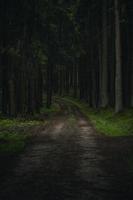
12	142
105	120
15	133
71	120
50	111
19	123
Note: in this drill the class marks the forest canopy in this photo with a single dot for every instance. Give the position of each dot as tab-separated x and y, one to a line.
81	48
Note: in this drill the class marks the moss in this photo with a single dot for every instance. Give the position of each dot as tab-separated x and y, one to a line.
105	120
71	120
15	133
55	108
7	123
12	142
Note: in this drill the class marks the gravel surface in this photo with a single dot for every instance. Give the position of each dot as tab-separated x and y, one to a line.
68	160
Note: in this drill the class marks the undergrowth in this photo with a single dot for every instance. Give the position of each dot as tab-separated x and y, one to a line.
15	133
105	120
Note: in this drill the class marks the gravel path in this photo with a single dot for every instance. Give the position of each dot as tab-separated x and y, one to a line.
70	161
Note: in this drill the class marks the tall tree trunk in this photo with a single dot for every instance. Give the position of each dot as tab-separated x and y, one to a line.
4	85
104	66
75	80
132	87
49	85
118	75
12	97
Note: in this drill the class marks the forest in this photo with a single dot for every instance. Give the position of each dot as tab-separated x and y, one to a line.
77	48
66	99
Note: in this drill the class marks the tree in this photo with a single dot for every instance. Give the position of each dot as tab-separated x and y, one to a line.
118	76
104	64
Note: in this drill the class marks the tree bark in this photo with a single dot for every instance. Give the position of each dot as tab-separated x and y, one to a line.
104	66
118	75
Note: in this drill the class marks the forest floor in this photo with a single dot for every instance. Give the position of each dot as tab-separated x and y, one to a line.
67	159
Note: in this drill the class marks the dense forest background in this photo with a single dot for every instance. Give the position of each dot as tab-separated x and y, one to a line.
81	48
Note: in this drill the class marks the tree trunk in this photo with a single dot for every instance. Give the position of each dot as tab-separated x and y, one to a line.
12	97
118	75
49	85
132	88
104	66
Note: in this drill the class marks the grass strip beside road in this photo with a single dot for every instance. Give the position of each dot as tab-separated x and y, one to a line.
105	120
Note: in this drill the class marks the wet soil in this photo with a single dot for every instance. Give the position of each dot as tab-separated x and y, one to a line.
69	160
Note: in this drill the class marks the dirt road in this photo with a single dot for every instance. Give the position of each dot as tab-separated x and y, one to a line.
70	161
